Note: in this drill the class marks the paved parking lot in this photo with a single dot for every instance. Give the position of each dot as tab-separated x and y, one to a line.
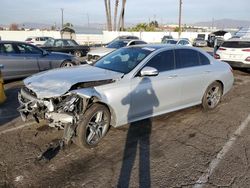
188	148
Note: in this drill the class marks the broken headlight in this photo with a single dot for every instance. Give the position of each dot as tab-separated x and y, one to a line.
68	104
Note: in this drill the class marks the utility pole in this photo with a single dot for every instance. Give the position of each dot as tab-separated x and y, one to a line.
62	16
180	7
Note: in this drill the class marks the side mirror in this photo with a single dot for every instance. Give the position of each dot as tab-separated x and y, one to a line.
149	71
1	66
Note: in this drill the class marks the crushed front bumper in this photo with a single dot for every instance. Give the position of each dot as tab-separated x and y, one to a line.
41	109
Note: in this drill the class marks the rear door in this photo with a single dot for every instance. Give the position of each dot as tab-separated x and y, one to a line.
194	69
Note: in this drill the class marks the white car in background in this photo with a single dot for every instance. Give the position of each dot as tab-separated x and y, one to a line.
37	41
183	42
96	53
235	52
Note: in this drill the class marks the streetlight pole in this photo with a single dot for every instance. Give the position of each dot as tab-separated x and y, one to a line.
62	16
180	7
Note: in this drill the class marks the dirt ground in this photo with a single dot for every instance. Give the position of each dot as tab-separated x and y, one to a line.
172	150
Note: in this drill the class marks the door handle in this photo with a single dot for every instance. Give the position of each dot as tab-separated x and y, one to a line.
172	76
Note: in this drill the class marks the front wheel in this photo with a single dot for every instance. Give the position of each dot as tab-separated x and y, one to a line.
212	96
68	64
93	126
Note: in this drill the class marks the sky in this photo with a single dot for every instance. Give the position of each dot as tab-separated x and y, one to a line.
78	11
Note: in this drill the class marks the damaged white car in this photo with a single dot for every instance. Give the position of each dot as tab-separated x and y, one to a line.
128	85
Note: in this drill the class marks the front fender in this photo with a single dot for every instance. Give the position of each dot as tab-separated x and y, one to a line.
89	93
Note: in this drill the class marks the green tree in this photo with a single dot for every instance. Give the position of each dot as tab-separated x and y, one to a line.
154	24
68	24
142	27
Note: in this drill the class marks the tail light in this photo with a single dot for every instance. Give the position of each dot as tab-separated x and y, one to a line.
222	48
246	50
247	59
216	56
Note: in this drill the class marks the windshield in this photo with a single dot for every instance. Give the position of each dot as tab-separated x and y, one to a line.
170	42
117	44
123	60
199	39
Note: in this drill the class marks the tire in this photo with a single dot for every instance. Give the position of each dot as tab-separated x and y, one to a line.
78	53
89	133
67	63
212	96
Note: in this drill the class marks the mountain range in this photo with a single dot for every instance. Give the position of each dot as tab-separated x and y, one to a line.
224	23
96	28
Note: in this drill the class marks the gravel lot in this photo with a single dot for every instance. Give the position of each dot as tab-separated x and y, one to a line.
181	149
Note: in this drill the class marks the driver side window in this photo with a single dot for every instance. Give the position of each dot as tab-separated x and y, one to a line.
27	49
163	61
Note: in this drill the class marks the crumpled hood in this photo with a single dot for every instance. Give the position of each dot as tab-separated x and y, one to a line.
57	82
101	51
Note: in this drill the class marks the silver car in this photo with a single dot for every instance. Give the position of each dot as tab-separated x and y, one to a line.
127	85
96	53
21	59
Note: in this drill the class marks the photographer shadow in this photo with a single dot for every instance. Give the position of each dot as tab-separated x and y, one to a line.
138	136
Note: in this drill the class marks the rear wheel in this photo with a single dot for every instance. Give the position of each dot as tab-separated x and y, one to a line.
212	96
93	126
68	64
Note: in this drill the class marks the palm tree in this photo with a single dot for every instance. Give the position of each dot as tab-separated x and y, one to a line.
110	20
115	14
121	19
108	14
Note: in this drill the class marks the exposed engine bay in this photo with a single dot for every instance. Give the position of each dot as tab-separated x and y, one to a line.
61	112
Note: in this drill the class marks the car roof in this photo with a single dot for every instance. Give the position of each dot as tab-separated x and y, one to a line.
63	39
11	41
239	39
160	46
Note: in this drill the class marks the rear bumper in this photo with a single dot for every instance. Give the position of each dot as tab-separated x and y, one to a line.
237	64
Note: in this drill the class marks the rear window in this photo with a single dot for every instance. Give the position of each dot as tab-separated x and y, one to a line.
236	44
28	39
186	58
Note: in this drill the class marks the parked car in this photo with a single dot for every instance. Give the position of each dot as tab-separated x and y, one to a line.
127	85
235	52
96	53
183	42
126	37
21	59
65	46
200	42
166	37
37	41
